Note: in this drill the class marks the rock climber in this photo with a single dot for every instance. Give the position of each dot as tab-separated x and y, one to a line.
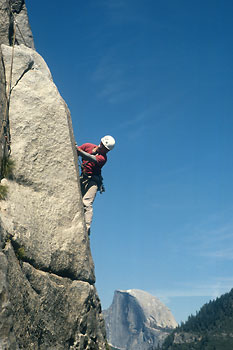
93	159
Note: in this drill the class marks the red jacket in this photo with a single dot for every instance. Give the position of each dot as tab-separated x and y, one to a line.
92	168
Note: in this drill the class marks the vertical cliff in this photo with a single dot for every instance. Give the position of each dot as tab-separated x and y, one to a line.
137	320
47	294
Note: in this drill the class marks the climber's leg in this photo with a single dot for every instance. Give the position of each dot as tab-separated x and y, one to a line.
88	200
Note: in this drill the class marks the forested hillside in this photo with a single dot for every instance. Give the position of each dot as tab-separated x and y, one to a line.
210	329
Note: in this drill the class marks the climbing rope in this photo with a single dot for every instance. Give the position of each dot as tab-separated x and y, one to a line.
4	133
16	24
6	111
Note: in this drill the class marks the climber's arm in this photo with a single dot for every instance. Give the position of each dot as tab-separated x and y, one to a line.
87	156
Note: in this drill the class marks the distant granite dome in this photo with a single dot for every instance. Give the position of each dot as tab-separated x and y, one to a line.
137	320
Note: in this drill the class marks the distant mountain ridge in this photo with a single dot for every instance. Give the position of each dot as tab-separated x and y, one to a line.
210	329
136	320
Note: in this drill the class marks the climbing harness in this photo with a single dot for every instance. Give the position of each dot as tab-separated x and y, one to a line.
85	178
98	179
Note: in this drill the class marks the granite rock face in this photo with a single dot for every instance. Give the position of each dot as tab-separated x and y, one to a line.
48	300
10	10
7	336
137	320
43	212
49	312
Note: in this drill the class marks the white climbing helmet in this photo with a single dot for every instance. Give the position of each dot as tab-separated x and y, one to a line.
108	142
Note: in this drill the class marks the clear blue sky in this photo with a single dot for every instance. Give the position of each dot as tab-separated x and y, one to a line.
158	76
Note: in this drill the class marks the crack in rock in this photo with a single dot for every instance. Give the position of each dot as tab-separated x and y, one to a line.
20	255
30	67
